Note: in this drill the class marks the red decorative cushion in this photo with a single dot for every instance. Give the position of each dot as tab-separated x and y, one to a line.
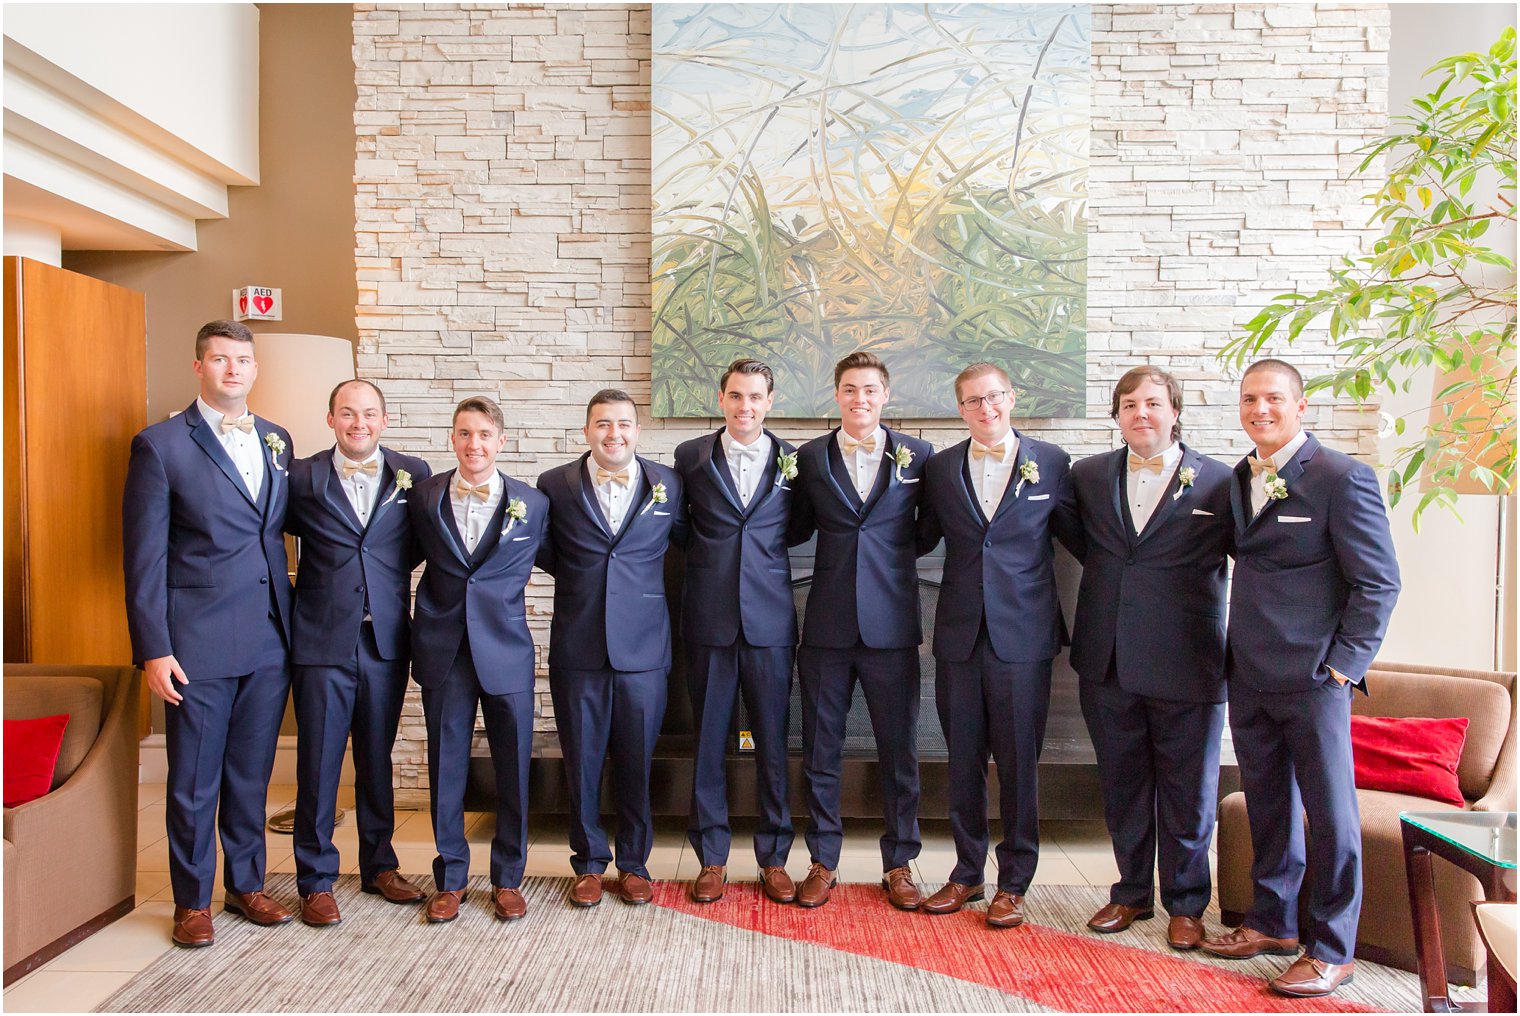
31	752
1413	755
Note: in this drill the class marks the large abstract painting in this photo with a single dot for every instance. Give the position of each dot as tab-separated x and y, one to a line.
908	180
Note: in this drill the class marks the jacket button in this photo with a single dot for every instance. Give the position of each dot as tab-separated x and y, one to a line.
987	544
614	555
472	582
1130	561
264	580
358	589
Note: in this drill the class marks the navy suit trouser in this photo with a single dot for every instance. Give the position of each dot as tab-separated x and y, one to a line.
1158	766
212	788
449	708
715	676
990	707
1294	750
889	679
602	713
361	699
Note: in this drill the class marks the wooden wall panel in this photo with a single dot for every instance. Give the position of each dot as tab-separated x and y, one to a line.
17	644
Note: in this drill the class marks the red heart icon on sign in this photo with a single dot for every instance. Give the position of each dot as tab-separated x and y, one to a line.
263	303
243	303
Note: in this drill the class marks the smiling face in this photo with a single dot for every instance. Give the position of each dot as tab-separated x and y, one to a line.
476	441
988	423
612	431
1271	411
1146	419
744	402
861	394
357	421
226	370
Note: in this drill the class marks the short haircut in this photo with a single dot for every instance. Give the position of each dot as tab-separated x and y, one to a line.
745	365
481	404
226	329
332	398
607	395
1281	367
861	360
976	370
1137	376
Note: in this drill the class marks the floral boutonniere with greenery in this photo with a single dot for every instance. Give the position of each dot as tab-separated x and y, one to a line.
517	512
902	458
1185	477
657	495
1029	472
276	445
786	468
1276	487
403	482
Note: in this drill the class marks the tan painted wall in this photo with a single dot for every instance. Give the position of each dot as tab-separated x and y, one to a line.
294	231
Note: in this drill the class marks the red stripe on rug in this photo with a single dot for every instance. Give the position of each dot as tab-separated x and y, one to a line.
1073	973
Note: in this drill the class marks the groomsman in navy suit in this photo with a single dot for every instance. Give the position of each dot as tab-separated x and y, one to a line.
350	642
738	621
208	608
480	531
997	628
1152	529
1315	582
859	487
614	515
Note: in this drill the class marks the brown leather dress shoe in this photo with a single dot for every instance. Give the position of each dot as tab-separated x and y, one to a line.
444	906
395	888
902	892
1115	917
1311	978
815	889
508	903
951	896
192	928
1184	933
1244	943
634	890
586	891
320	910
777	885
259	907
1006	910
708	888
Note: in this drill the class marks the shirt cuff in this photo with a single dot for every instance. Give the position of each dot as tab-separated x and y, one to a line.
1342	678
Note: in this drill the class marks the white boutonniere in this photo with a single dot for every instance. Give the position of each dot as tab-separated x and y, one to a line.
403	482
657	495
276	448
786	468
902	458
1276	487
1029	472
516	512
1185	477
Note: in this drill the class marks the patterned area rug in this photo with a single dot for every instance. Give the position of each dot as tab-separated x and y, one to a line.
743	953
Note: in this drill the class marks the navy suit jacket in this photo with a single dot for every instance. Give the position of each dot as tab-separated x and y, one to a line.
1315	574
345	566
865	576
1153	603
480	594
738	574
609	591
200	555
1002	569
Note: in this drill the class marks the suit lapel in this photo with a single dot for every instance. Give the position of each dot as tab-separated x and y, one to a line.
491	535
1240	495
201	433
442	510
1169	497
717	467
329	489
389	493
641	501
967	487
272	473
1014	490
886	473
580	485
839	476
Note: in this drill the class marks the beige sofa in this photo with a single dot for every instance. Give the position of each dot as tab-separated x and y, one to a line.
1486	775
71	855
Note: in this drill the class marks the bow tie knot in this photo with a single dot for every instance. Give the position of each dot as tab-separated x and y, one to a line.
1138	463
980	451
1259	466
621	477
482	492
370	468
850	445
243	423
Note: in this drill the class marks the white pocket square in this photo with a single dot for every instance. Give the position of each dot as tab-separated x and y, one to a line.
518	539
1039	497
1294	518
662	513
1200	511
914	480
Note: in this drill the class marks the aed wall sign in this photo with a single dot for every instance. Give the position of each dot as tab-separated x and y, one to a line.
256	303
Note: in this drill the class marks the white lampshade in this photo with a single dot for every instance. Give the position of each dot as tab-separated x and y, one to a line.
296	374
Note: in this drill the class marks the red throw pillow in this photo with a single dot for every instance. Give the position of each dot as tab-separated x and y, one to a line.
1413	755
31	753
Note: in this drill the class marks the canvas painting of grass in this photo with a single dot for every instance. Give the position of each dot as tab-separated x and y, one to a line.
909	180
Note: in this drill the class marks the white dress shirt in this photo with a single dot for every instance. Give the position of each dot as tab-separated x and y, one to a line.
246	450
1280	458
614	498
747	463
361	488
989	474
471	514
1144	488
861	464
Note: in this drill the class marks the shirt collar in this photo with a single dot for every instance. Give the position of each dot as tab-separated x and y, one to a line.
1009	441
210	415
632	467
1285	454
495	483
732	447
880	434
1169	455
339	459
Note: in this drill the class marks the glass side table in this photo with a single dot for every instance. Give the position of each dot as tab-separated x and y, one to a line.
1479	842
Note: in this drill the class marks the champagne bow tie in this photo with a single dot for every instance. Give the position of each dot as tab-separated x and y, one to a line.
370	468
483	492
850	444
979	451
1259	466
243	423
1137	463
620	477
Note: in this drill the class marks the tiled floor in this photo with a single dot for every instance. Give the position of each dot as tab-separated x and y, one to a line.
1071	853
